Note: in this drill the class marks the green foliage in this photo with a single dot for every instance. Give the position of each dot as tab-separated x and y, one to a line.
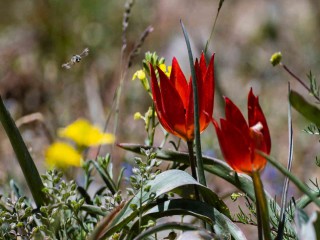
314	86
99	205
66	216
152	58
309	111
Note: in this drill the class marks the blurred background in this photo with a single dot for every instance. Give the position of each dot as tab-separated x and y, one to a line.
37	37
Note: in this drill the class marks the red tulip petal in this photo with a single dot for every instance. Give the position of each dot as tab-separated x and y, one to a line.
179	81
201	96
203	64
172	105
234	116
157	99
190	113
208	91
256	115
234	147
257	143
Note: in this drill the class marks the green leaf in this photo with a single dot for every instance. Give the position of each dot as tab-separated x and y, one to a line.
203	211
197	235
165	182
25	160
200	169
105	176
167	226
309	111
216	167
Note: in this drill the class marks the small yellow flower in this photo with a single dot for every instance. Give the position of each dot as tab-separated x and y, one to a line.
85	134
276	58
165	69
169	71
140	74
137	116
62	155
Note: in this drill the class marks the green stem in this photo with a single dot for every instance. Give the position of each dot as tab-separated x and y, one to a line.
192	160
213	27
153	126
25	160
262	206
299	80
140	202
202	178
260	227
193	167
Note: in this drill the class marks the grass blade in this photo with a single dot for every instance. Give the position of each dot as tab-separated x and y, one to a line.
25	160
200	168
286	181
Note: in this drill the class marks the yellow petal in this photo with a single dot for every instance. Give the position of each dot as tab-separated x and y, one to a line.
140	74
169	71
163	67
85	134
62	155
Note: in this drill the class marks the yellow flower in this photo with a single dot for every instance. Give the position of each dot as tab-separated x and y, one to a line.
85	134
276	58
62	155
140	74
165	69
137	116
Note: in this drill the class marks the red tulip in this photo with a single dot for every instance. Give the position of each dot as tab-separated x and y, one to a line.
173	99
238	139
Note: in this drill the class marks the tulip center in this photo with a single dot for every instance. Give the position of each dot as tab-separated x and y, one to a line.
257	127
257	142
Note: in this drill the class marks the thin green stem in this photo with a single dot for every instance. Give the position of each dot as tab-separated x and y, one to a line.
260	227
153	126
193	167
192	160
140	202
261	202
214	25
299	80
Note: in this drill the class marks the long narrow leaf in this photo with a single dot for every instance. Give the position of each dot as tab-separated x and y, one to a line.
105	177
309	111
286	180
25	160
202	178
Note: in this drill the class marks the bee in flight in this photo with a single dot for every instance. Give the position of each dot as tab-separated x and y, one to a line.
76	58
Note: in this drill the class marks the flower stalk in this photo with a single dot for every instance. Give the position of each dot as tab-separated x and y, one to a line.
193	167
262	206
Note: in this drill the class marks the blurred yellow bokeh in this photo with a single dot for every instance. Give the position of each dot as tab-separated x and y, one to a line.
84	134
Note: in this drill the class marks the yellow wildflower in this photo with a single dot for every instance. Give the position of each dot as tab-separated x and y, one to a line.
62	155
276	58
140	74
137	116
165	69
85	134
